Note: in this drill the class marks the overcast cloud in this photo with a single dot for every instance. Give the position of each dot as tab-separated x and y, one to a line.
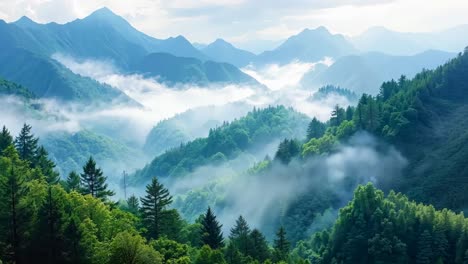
244	22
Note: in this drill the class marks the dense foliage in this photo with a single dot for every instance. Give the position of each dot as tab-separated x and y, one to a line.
373	228
425	118
74	221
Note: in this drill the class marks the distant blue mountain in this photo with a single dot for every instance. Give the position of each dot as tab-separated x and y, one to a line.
381	39
27	47
45	77
222	51
366	72
171	70
308	46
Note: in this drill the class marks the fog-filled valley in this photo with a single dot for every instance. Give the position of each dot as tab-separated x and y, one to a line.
119	147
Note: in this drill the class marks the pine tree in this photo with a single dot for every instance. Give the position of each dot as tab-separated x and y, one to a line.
260	250
133	204
47	166
281	246
5	139
211	231
13	217
153	207
73	182
26	144
316	129
240	236
94	182
50	225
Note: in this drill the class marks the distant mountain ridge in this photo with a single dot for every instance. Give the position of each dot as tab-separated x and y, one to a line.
366	72
106	36
381	39
225	52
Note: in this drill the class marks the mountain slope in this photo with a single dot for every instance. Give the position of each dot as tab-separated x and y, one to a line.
365	73
48	78
172	70
425	118
223	51
10	88
308	46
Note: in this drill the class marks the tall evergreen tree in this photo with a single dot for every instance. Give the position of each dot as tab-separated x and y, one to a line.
281	246
94	182
73	182
5	139
240	236
211	231
316	129
153	207
46	165
13	217
260	250
26	144
49	231
133	204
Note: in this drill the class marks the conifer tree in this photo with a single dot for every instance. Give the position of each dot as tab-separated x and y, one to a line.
94	182
133	204
260	250
281	246
211	231
47	166
26	144
240	236
73	182
316	129
5	139
153	207
13	217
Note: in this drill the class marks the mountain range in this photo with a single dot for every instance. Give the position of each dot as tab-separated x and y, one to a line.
105	36
392	42
365	73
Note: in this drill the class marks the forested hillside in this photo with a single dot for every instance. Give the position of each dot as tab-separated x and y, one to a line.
424	117
256	129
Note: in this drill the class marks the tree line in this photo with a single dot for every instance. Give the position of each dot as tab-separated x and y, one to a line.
44	218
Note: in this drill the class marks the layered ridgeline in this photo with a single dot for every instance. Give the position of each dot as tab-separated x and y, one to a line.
381	39
172	70
101	36
226	142
365	72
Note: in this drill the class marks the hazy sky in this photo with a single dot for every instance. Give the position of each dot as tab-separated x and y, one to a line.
246	21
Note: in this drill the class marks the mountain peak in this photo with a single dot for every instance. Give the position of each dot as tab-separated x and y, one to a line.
25	21
105	14
221	42
103	11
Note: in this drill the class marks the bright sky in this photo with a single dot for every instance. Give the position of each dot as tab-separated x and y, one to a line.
245	22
